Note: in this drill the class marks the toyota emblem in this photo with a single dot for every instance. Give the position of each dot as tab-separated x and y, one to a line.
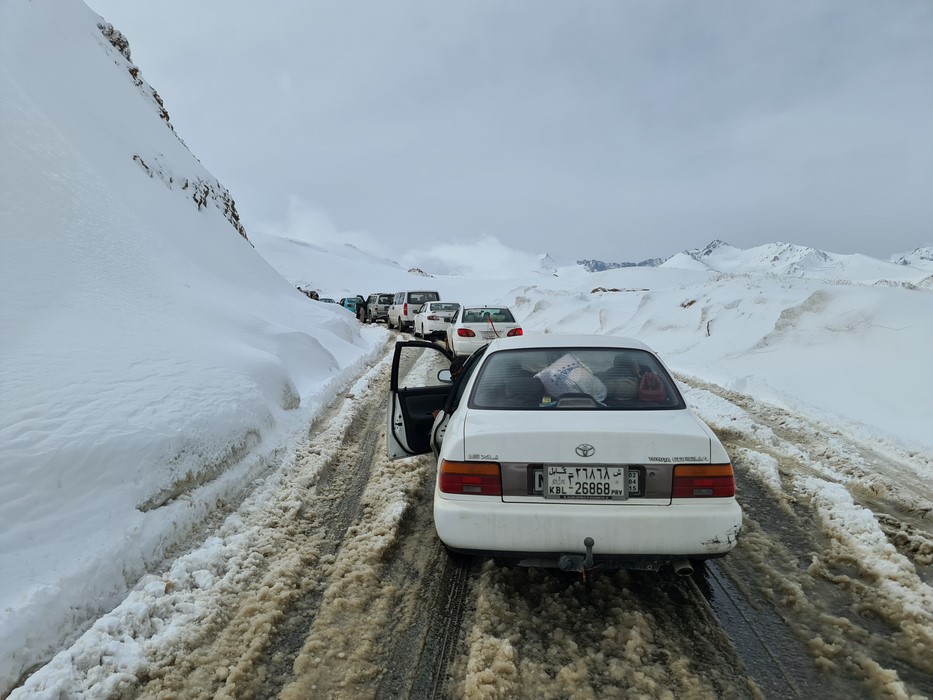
585	450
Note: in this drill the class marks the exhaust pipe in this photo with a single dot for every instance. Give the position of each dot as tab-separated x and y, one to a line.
682	567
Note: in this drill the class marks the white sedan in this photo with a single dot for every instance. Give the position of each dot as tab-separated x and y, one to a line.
572	452
474	326
433	318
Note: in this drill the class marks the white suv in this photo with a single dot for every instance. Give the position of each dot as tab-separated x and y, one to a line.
405	305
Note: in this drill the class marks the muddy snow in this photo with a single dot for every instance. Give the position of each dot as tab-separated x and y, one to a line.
328	581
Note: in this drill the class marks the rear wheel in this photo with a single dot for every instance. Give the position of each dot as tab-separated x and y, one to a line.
458	558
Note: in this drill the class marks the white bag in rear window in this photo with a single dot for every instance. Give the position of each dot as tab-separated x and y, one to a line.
568	376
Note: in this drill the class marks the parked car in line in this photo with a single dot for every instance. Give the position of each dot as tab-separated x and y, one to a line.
401	313
327	300
571	452
433	318
377	306
350	303
474	326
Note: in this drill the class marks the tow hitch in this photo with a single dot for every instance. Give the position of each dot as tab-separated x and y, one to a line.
575	562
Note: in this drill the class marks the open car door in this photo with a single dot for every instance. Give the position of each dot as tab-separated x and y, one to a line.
416	394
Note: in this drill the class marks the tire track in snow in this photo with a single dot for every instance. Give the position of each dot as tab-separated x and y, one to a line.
876	472
422	635
246	648
538	633
833	542
381	627
339	497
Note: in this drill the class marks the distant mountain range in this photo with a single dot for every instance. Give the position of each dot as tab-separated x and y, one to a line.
791	260
600	266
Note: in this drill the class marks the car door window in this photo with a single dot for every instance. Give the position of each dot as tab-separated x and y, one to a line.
418	367
416	396
463	377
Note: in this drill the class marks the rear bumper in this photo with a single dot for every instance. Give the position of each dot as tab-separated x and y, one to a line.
685	529
467	346
435	328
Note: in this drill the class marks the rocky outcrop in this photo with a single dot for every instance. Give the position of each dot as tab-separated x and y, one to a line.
202	191
600	266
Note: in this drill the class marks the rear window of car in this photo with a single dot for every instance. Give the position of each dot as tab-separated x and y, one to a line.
385	299
486	314
548	379
444	306
422	297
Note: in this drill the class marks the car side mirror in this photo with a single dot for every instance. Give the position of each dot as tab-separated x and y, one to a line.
445	376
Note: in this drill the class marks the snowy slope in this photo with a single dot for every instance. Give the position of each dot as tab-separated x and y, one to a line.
148	349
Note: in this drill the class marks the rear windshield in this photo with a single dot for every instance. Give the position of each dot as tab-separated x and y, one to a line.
486	314
444	306
386	298
422	297
548	379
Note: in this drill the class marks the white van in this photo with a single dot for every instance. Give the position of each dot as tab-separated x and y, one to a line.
405	305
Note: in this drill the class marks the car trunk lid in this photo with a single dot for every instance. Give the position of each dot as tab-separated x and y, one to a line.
524	442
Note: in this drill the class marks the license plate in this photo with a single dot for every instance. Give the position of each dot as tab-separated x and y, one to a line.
573	481
489	335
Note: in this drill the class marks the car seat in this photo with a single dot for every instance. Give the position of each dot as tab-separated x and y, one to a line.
622	378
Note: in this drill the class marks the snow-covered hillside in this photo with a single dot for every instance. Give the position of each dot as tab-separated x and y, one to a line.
147	349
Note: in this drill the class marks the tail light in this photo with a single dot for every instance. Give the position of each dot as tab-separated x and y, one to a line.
515	331
404	309
432	317
703	481
465	333
471	478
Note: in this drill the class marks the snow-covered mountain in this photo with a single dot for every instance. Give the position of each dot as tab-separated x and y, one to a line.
602	266
921	258
790	260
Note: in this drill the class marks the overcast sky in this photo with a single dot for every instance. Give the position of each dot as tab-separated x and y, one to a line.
608	129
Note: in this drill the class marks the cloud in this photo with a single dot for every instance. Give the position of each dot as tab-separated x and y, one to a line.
642	128
485	258
308	222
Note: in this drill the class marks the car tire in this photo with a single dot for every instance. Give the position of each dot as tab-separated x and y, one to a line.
459	559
